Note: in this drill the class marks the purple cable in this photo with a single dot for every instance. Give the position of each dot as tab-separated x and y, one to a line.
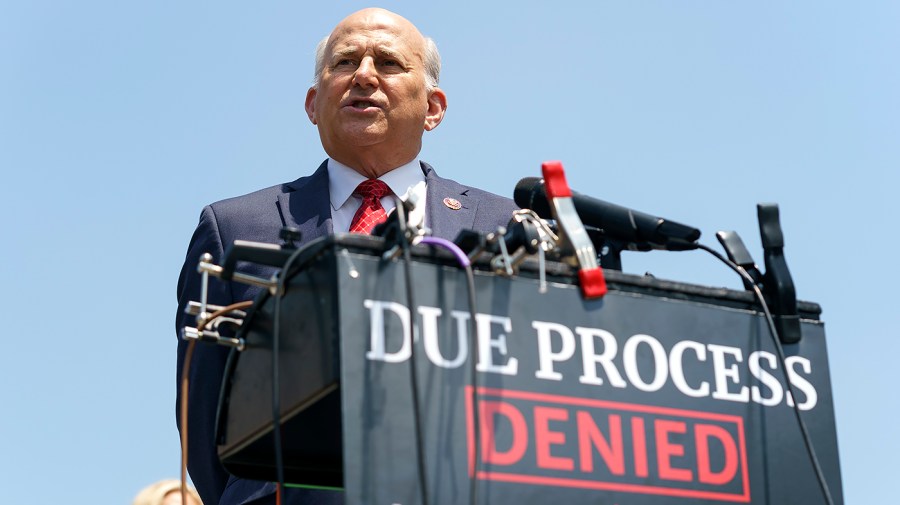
446	244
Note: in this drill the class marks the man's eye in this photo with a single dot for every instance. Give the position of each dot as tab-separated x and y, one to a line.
344	62
391	63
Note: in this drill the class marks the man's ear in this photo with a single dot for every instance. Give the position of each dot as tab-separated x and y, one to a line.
311	105
437	106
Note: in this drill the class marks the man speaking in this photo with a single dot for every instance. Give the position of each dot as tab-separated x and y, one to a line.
375	94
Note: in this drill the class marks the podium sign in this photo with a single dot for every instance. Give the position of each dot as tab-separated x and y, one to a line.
657	393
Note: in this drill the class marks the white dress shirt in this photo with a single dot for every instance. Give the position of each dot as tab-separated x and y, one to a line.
403	181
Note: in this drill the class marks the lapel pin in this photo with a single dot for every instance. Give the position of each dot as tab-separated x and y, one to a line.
452	203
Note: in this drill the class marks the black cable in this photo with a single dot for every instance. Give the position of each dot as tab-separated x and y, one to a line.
276	395
464	262
473	353
810	450
413	376
276	377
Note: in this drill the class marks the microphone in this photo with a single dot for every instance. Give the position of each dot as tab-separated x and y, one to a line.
616	222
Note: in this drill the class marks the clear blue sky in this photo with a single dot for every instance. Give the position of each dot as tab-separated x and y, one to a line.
120	120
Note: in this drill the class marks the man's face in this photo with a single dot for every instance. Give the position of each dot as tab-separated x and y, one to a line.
372	95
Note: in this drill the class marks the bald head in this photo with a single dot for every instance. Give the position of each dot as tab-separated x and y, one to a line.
372	17
375	92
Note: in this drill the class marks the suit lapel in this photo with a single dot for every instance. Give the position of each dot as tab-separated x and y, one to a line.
442	219
307	205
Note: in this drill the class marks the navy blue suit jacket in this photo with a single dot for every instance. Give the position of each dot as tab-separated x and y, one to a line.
259	216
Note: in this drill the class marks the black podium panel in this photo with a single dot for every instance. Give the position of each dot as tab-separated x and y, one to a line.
658	393
309	394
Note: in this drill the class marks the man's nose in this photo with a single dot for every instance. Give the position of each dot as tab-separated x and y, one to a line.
366	73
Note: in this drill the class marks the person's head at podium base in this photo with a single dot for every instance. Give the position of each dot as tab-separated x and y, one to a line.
375	91
166	492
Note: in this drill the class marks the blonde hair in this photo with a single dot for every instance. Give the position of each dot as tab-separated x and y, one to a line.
155	493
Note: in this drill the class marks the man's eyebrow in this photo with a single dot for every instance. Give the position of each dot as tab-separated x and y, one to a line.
390	53
346	51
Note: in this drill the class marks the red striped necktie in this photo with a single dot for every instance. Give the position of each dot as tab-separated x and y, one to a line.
370	212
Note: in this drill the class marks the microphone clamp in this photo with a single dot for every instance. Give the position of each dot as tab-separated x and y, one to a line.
573	236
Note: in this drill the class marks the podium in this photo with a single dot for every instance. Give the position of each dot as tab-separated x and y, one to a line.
660	392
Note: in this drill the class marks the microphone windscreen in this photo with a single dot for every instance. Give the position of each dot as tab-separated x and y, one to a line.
530	194
614	220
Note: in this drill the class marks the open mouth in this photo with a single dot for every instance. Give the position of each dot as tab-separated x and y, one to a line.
363	104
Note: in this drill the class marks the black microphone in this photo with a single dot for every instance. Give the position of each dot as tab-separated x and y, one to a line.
616	222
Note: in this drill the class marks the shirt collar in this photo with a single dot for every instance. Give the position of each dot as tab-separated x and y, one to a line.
343	180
